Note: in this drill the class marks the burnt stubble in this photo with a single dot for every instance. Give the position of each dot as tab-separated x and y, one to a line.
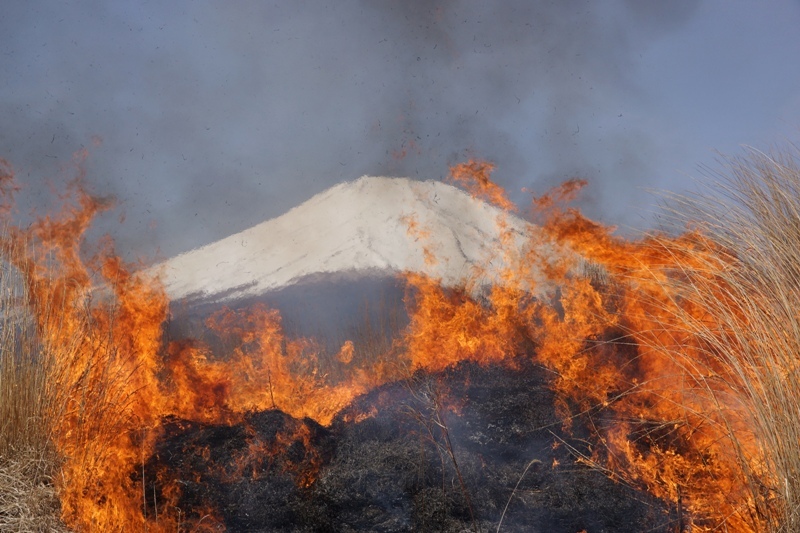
457	450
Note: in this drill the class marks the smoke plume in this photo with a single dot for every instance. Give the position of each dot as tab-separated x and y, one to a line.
214	117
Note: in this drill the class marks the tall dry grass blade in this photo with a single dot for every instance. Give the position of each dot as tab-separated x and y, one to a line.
748	283
28	460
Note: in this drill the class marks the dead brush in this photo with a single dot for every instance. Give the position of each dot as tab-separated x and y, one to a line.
62	402
429	412
28	500
750	285
28	460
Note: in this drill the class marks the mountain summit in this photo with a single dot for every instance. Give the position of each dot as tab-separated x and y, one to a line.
371	226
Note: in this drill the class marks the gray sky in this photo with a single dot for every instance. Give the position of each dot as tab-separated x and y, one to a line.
215	116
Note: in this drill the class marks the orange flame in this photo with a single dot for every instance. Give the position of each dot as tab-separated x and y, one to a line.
261	370
615	334
475	177
617	337
100	330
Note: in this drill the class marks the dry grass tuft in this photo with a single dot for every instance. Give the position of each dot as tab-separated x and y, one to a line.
28	500
750	286
24	409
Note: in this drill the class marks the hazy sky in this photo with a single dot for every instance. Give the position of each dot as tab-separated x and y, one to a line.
215	116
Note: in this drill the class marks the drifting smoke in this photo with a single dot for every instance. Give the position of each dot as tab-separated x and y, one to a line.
216	117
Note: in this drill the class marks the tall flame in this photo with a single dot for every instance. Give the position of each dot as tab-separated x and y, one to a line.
629	350
630	353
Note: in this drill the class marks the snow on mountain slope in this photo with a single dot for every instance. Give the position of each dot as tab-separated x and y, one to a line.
372	225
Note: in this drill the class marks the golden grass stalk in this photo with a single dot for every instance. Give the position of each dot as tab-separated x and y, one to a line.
63	404
28	500
28	459
750	286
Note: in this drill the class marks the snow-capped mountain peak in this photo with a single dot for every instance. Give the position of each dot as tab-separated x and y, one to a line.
373	225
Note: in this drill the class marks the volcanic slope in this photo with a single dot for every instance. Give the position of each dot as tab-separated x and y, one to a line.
370	226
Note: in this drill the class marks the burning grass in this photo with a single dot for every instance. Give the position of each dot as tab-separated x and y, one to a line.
750	286
28	460
682	354
671	363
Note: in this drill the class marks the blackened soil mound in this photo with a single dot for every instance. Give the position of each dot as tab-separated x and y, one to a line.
253	475
437	452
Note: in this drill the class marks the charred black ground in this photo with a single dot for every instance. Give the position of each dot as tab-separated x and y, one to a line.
436	452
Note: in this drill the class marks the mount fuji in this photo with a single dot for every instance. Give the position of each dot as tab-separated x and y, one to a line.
370	227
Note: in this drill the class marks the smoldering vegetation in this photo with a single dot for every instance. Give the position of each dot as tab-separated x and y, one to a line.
472	448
